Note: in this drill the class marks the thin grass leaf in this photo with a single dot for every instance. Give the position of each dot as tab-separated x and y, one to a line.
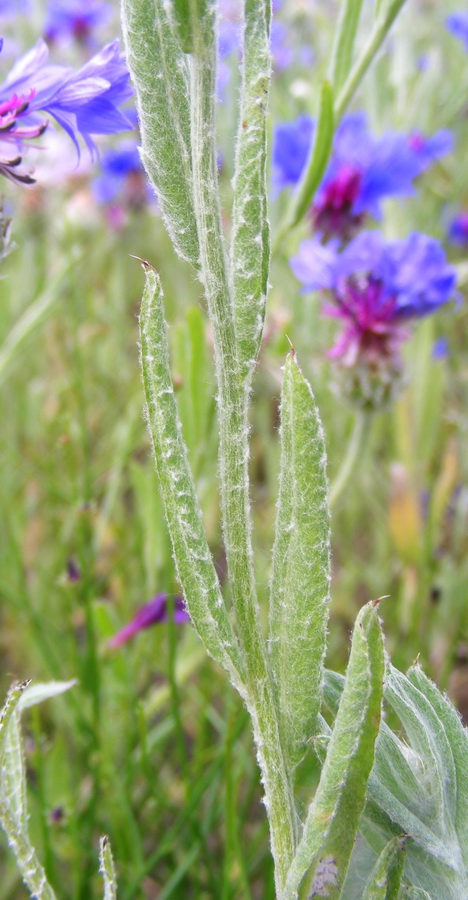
107	869
159	70
345	38
193	559
300	584
250	245
332	821
385	880
314	169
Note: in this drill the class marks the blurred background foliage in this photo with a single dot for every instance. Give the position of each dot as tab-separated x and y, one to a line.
152	747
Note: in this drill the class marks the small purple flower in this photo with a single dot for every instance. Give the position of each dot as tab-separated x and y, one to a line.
362	171
153	613
84	102
375	287
457	24
75	19
458	229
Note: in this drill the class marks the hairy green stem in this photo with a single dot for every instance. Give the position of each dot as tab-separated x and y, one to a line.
233	455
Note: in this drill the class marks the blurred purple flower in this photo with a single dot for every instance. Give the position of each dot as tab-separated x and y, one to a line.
457	24
75	19
122	176
362	171
375	287
441	348
84	102
458	229
153	613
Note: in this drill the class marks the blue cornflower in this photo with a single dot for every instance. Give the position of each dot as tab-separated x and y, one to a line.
75	19
362	171
374	288
457	24
84	102
122	181
458	229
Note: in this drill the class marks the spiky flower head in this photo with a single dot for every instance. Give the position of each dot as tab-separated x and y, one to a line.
374	288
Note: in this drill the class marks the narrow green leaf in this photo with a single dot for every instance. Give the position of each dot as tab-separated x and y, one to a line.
333	818
250	245
379	32
345	37
193	559
13	811
107	869
317	161
385	880
160	73
300	582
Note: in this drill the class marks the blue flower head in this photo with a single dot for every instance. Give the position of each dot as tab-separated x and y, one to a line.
363	169
374	288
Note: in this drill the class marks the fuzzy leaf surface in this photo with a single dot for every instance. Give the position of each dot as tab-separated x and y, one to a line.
13	810
107	869
159	70
250	246
193	559
385	879
301	565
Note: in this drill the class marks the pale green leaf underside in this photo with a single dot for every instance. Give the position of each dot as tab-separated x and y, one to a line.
300	580
333	818
385	879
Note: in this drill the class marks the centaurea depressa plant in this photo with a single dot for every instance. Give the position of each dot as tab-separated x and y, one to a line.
389	816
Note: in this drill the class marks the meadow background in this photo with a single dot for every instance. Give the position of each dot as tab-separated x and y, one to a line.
152	746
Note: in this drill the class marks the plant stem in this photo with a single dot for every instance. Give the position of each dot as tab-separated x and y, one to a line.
233	455
354	450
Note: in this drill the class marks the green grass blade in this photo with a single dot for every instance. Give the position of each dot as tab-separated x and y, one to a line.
333	818
107	869
160	73
250	246
317	162
385	880
300	581
345	37
193	559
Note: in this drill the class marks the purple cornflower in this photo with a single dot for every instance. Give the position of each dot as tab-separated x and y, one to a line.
457	24
153	613
374	288
362	171
74	19
84	102
458	229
